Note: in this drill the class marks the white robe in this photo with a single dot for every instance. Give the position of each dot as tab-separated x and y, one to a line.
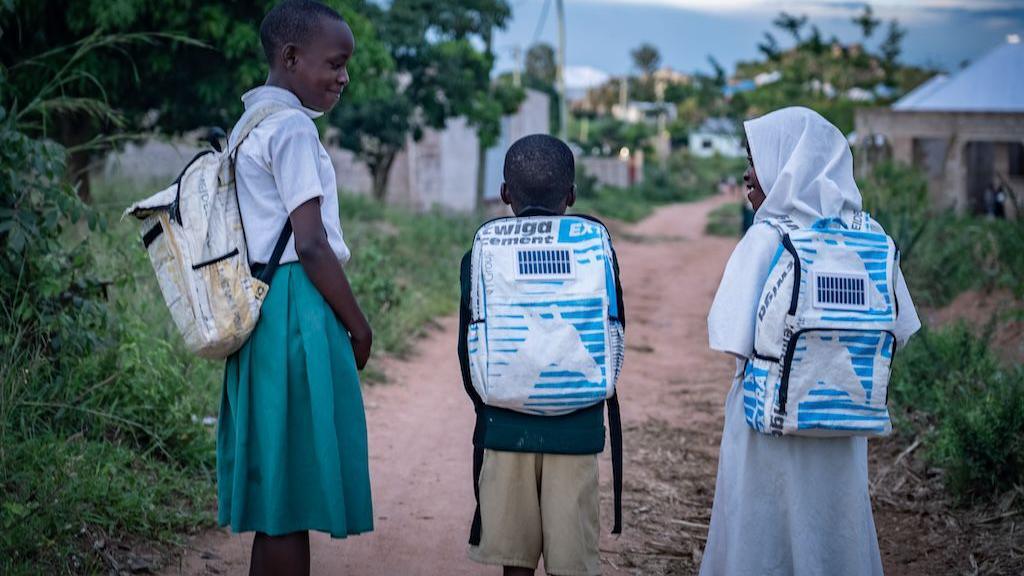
789	505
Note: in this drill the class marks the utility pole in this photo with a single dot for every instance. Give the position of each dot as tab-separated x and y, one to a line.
563	102
517	72
664	143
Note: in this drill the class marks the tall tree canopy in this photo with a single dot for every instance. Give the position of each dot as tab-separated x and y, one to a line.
159	84
540	64
439	73
646	58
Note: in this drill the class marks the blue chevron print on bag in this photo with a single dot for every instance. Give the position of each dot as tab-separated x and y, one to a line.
546	336
824	338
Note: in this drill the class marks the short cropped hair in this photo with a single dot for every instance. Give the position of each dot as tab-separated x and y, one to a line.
539	171
292	21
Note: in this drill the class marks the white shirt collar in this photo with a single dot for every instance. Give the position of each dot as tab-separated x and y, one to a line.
265	93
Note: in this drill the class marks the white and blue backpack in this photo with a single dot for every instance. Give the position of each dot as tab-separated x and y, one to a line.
824	339
546	333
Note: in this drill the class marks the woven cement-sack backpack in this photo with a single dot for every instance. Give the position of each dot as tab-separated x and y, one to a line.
546	336
824	338
196	243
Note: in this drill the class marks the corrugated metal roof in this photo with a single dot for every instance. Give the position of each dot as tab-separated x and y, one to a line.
993	83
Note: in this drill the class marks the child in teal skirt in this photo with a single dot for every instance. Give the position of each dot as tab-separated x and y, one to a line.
291	439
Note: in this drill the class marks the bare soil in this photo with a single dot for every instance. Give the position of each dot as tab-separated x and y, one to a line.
673	392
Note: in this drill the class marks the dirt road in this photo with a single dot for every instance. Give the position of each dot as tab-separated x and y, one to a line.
673	390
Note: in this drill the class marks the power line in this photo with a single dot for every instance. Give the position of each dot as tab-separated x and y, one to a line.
541	22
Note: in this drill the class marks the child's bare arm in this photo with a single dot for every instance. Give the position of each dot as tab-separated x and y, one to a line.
327	274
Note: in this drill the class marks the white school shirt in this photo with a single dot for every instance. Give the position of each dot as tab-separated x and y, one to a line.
280	166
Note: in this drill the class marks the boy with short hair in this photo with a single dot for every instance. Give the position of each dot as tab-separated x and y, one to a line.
537	475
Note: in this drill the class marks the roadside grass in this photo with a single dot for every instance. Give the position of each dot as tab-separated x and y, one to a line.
726	220
685	179
107	458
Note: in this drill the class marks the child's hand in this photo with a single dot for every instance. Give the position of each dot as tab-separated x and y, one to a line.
328	275
361	344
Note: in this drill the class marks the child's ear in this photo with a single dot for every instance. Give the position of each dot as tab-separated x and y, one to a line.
289	57
571	198
504	194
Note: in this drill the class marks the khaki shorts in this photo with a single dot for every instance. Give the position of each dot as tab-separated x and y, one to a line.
539	503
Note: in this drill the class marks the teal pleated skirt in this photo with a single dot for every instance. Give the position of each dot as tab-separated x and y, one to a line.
291	438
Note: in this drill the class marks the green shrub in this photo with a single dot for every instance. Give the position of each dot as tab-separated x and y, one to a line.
948	386
981	445
100	420
67	501
943	254
897	196
618	203
726	220
404	268
686	179
958	254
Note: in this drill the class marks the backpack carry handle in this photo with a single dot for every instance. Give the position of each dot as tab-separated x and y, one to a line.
260	115
832	222
213	137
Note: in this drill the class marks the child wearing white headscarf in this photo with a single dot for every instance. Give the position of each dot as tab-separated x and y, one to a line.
789	505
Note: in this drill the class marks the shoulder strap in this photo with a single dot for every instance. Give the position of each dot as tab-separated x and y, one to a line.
261	113
782	224
478	465
615	435
267	274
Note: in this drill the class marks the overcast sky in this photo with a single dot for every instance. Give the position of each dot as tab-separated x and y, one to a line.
942	33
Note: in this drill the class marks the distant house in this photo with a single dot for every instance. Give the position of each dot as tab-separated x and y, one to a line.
636	112
719	136
442	169
670	76
766	78
738	86
965	131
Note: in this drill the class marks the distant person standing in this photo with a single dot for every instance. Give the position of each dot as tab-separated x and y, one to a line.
999	204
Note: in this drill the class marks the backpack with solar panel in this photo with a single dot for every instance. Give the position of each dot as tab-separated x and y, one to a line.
546	335
824	338
547	326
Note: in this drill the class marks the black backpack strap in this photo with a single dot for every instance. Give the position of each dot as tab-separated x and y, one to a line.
267	274
615	432
478	465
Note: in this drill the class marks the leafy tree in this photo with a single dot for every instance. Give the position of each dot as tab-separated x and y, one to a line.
770	47
439	73
790	23
719	78
540	64
646	58
815	44
169	86
541	71
866	21
48	286
892	47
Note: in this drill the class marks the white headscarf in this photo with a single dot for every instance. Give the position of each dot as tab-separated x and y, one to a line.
804	165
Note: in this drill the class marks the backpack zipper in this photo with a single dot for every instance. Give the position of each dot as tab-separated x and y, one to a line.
787	243
787	363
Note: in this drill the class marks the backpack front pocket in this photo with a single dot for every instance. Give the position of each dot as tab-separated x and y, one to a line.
228	298
760	390
834	382
546	355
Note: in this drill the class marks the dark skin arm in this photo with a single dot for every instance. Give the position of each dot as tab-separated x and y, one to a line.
326	273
